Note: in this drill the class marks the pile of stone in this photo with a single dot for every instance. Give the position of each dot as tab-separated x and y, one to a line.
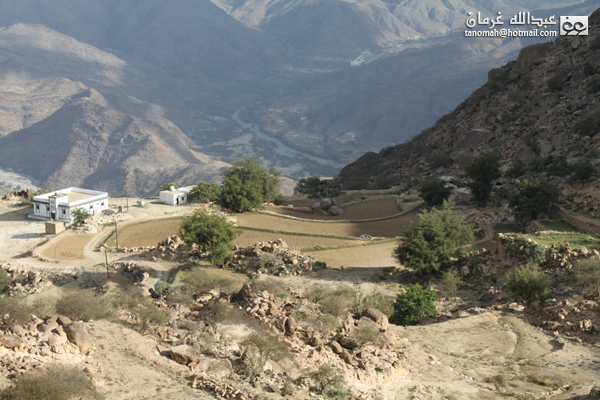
26	281
169	249
136	272
566	316
327	206
27	347
219	388
19	194
274	258
589	205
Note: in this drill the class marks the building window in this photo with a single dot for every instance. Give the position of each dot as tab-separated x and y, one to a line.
64	211
37	207
91	207
47	207
102	204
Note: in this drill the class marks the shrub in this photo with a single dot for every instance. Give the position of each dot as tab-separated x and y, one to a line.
376	300
315	188
58	382
439	160
260	347
594	86
327	377
337	305
451	281
211	232
205	192
527	283
433	241
200	280
250	173
434	192
85	305
18	310
222	312
497	82
532	199
368	332
269	284
413	305
587	126
481	172
587	274
515	170
5	280
584	170
338	394
147	313
560	169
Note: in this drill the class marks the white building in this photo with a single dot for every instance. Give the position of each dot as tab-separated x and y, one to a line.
59	204
173	197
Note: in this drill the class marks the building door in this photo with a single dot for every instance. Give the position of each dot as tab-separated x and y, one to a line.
177	200
52	215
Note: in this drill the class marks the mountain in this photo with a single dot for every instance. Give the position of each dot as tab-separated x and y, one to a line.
539	109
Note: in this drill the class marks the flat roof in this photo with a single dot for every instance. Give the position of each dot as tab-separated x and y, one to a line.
173	192
74	195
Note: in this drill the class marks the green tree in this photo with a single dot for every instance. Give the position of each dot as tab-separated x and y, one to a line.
80	215
433	240
482	171
584	170
528	283
532	199
167	186
210	232
205	192
249	170
451	281
515	170
413	305
260	347
239	196
434	192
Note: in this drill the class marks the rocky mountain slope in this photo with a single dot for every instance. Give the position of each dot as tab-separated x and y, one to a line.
541	108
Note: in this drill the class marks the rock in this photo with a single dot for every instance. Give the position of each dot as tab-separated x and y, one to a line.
163	350
63	320
376	316
336	347
245	292
548	100
346	357
10	342
183	354
558	141
221	369
464	271
335	210
316	342
546	147
527	156
325	203
290	326
78	335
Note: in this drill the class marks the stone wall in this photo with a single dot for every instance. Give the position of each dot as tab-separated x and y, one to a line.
585	226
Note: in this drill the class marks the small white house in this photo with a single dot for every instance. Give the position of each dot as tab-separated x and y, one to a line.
173	197
59	204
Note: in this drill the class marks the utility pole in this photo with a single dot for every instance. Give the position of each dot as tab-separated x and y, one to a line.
127	198
116	236
106	258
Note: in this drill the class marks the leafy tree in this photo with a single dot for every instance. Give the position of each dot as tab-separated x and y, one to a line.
413	305
434	192
241	197
167	186
451	281
528	283
327	377
249	170
433	240
205	192
482	171
211	232
80	215
315	188
587	274
532	199
260	347
561	168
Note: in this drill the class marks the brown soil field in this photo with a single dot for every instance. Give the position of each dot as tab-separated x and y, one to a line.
251	237
356	212
148	233
69	248
385	228
359	257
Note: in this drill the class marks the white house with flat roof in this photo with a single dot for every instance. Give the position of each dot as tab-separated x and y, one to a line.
59	204
173	197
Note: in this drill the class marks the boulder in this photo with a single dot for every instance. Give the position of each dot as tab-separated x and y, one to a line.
325	203
546	147
78	335
335	210
527	156
183	354
464	271
63	320
558	140
548	100
376	316
336	347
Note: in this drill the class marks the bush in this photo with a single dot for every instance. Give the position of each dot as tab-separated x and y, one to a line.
376	300
18	310
497	82
211	232
528	283
200	280
58	382
327	377
587	126
433	241
368	332
222	312
434	192
148	313
205	192
451	281
584	170
481	172
515	170
587	274
594	86
560	169
85	305
338	394
532	199
337	305
271	285
260	347
439	160
5	280
167	186
315	188
413	305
